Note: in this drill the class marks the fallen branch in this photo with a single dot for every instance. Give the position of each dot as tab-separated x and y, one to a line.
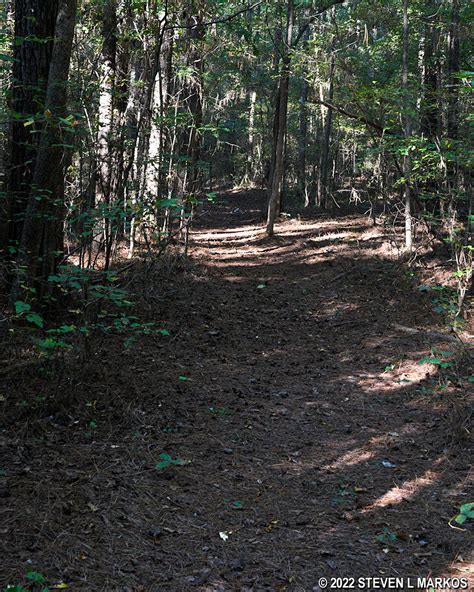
432	334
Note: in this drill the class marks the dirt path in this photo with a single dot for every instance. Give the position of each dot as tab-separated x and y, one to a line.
318	445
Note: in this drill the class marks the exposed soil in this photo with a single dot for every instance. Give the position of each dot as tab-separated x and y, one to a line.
314	442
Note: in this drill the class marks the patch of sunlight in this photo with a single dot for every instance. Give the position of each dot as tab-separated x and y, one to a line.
353	457
371	449
333	236
395	376
404	492
226	233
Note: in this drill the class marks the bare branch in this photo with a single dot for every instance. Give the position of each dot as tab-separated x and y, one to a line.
216	21
312	18
373	124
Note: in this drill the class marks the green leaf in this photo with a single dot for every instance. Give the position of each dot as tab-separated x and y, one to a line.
36	319
51	344
164	332
467	509
460	519
21	307
178	461
36	577
168	460
63	329
435	361
183	378
442	353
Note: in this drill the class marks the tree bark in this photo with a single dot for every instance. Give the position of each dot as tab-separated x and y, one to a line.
406	159
42	234
250	175
430	124
107	171
276	181
303	128
453	67
34	32
325	148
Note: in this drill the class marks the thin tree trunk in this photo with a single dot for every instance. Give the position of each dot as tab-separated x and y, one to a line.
407	117
453	67
106	119
251	138
303	126
430	125
159	104
325	148
276	182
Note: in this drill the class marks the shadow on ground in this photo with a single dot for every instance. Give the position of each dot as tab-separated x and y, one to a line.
317	443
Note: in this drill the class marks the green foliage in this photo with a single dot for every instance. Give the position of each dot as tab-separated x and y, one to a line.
436	358
21	307
168	461
387	536
236	504
91	291
445	302
34	318
35	577
466	512
436	361
34	580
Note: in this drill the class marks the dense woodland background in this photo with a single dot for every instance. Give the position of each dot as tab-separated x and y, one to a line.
120	116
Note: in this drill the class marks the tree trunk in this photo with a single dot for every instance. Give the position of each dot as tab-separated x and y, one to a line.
303	125
406	159
276	181
453	67
106	170
42	235
160	100
250	175
325	148
302	142
34	32
430	124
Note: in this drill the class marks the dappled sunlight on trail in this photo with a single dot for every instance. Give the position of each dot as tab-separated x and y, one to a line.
312	440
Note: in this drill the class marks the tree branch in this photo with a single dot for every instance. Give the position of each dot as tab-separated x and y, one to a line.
216	21
373	124
312	18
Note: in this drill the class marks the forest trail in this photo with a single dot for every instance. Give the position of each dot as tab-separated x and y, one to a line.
317	444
